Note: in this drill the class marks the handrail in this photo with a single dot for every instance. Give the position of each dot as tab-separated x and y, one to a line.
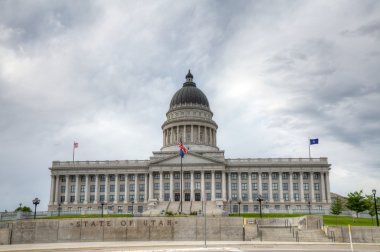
297	237
332	236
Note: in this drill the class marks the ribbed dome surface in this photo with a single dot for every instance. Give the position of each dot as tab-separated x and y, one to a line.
189	93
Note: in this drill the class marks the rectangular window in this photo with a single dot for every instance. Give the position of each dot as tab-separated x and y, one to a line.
72	178
274	186
295	186
62	199
131	177
63	178
176	186
244	175
295	175
157	186
265	186
208	196
244	186
141	197
207	175
92	198
72	189
82	178
121	198
316	175
72	199
286	196
306	186
187	185
296	197
234	175
218	175
218	185
166	186
254	186
130	209
82	188
92	178
101	198
166	197
218	195
186	175
197	186
197	175
306	196
156	175
112	188
316	186
112	177
265	196
131	197
244	197
141	187
121	177
122	188
318	197
102	178
234	186
63	189
81	198
285	175
305	175
208	185
132	187
264	175
141	177
92	188
112	198
177	175
275	196
119	209
102	188
254	176
285	186
254	196
275	175
234	196
166	175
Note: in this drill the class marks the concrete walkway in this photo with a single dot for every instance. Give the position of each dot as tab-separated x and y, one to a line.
190	246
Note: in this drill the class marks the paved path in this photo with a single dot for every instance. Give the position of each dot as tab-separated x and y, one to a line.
182	246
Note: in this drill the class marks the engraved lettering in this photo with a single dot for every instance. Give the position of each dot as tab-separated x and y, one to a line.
78	223
145	222
93	224
160	223
152	222
85	223
169	223
101	223
108	223
123	223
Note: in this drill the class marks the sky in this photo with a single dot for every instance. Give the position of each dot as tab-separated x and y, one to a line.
102	73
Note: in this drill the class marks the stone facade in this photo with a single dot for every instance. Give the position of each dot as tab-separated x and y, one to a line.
205	173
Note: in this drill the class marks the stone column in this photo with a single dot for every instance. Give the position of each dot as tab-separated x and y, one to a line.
171	135
106	188
56	190
270	191
151	178
192	133
136	187
96	188
146	188
260	186
161	197
87	189
126	190
52	187
199	134
116	199
67	190
171	185
177	133
291	196
224	186
184	134
328	188
76	189
203	186
192	184
229	186
239	186
312	198
302	197
250	187
322	188
213	185
280	187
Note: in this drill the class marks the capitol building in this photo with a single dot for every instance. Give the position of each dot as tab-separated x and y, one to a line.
204	174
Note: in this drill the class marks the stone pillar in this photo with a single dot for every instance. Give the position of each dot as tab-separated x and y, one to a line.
177	134
312	198
151	178
184	134
250	187
291	196
281	192
116	199
76	189
270	191
96	188
136	187
213	185
52	187
199	134
161	196
87	189
146	188
192	183
302	197
106	190
203	185
126	190
56	190
322	188
224	186
239	186
328	188
171	135
260	186
171	185
229	186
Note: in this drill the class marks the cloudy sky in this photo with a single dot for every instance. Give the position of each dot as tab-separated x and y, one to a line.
103	73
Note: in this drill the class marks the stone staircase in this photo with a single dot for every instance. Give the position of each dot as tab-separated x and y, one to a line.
286	234
312	236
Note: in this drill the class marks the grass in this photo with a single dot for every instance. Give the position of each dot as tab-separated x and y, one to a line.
265	215
86	216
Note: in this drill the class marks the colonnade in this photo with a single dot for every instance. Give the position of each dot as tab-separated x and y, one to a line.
197	134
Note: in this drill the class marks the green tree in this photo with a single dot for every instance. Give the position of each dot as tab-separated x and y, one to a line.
371	205
23	209
336	208
357	202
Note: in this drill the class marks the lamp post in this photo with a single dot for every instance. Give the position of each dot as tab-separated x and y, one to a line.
102	203
374	199
309	205
59	209
239	202
260	199
132	206
36	201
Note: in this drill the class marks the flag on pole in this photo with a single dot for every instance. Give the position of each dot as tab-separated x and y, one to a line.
182	149
314	141
75	145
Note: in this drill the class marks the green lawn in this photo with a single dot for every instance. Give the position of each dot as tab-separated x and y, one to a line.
265	215
86	216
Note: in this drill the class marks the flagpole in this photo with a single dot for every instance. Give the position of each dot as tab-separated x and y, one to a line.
73	151
181	186
309	149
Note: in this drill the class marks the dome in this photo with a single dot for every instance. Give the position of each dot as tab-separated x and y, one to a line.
189	93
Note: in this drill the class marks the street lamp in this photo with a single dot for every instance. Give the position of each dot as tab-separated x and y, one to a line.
239	202
132	206
260	199
59	209
36	201
374	198
309	205
102	203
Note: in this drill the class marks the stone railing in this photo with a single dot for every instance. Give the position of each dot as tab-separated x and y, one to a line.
108	163
245	161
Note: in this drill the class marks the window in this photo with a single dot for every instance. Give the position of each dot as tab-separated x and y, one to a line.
166	186
208	196
63	189
63	179
234	186
286	196
254	175
264	175
119	209
82	188
275	186
122	188
316	175
82	178
306	196
92	188
197	175
254	186
121	198
72	189
130	209
234	175
141	197
244	197
234	196
132	187
102	188
244	186
316	186
244	175
275	175
265	186
295	186
121	177
176	186
132	197
166	175
218	195
62	199
92	198
285	175
156	175
265	196
166	196
186	175
208	185
317	197
141	187
207	175
140	209
197	186
218	185
157	186
295	175
218	175
306	186
111	198
112	188
275	196
296	197
187	185
305	175
277	207
72	199
254	196
131	177
72	178
177	175
102	178
141	177
101	198
285	186
92	178
112	177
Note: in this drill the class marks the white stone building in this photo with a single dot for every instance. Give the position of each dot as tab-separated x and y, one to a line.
229	184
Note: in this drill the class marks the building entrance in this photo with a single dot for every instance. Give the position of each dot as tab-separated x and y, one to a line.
177	197
187	196
197	197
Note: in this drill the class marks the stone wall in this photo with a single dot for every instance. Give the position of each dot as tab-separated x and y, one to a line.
122	229
359	234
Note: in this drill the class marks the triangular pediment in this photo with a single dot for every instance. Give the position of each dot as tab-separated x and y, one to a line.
188	159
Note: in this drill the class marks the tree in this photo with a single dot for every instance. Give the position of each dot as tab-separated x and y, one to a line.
371	204
336	208
357	202
23	209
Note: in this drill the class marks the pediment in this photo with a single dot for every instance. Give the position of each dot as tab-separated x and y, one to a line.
188	159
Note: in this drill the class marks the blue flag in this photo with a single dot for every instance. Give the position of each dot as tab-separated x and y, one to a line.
181	153
314	141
